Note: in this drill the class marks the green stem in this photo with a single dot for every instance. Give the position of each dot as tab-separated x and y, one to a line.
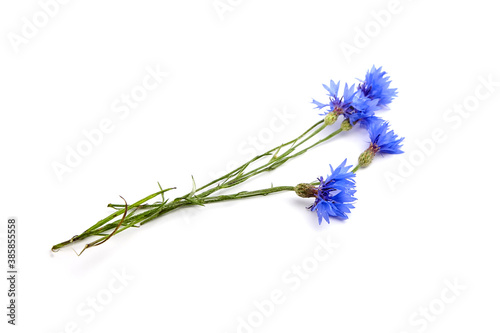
159	210
231	179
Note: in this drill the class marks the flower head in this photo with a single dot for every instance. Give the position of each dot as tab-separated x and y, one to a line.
376	87
361	108
338	102
334	194
382	139
352	104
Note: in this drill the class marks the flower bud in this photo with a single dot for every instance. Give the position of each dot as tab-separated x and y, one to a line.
331	118
305	190
366	158
346	125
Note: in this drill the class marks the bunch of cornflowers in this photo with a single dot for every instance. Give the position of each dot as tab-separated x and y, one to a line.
333	195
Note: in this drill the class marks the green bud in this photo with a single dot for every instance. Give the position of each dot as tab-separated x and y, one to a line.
346	125
331	118
366	158
305	190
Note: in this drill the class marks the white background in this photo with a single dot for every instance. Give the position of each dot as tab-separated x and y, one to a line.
203	269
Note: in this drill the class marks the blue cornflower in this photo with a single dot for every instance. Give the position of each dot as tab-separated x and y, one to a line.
352	104
361	108
382	140
376	87
337	102
333	194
